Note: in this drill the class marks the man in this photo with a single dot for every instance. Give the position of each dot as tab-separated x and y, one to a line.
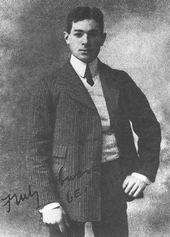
82	158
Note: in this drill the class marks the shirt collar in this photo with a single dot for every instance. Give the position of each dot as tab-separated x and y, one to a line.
80	67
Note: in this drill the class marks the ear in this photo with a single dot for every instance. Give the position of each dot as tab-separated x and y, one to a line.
103	38
66	37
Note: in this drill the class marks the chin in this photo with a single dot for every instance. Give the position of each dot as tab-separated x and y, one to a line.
86	59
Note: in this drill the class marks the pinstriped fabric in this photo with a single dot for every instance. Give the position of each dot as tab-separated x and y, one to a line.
39	145
80	162
64	151
65	144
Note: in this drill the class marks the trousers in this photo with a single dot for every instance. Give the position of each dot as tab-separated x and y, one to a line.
113	221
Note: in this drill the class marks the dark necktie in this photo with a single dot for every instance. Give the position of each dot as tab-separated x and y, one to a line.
88	76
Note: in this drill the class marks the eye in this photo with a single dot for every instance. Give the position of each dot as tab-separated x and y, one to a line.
78	35
93	33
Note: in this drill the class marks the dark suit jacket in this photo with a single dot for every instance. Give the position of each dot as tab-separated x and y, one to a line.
65	142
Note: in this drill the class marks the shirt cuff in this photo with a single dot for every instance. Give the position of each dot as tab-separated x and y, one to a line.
141	177
49	207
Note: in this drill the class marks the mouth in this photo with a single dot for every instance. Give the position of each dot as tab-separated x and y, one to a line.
85	50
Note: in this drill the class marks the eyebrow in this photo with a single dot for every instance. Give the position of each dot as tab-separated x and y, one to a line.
94	30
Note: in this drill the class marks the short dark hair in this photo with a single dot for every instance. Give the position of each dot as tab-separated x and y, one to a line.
83	13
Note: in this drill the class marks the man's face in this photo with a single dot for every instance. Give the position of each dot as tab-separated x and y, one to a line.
85	40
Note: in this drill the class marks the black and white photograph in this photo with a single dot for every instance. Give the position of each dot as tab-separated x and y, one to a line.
85	118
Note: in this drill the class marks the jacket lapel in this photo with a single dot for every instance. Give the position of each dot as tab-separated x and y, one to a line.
111	92
74	86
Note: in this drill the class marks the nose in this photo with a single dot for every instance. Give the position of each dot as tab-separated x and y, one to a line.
85	39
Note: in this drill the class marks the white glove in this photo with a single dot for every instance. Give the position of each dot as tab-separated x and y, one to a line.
55	216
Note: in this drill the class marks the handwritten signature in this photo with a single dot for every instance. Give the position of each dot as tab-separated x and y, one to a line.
69	178
21	198
75	194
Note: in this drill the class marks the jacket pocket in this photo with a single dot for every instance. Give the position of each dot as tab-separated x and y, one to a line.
58	159
59	151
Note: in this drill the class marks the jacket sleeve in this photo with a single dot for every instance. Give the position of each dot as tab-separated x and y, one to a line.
145	125
39	148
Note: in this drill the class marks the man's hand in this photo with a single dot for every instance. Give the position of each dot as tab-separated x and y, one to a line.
56	216
133	186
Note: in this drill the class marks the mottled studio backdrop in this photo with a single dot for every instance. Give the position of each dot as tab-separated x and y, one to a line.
31	45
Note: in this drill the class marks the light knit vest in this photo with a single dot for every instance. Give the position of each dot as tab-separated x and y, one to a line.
109	145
